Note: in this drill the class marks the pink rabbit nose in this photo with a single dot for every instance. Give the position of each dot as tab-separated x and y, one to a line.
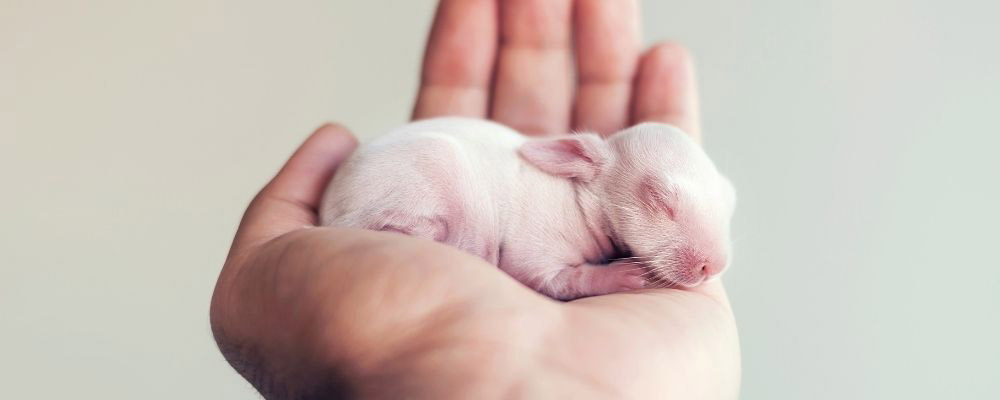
708	269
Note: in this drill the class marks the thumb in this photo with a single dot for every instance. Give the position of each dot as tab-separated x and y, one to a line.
290	200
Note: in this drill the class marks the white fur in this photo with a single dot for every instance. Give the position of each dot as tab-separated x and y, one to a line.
463	182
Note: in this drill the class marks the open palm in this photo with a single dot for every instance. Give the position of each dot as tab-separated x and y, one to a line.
308	312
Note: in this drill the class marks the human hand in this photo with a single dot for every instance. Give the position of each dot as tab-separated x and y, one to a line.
311	312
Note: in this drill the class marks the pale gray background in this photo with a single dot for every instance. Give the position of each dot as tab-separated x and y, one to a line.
862	136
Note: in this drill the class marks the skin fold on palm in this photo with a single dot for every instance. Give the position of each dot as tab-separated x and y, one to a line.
308	312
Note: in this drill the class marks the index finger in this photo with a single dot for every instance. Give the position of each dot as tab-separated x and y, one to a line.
458	60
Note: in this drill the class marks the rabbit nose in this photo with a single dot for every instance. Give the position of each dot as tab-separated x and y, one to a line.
708	269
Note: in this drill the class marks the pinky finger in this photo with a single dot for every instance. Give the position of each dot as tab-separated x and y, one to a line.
665	89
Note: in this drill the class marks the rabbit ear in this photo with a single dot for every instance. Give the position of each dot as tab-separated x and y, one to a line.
581	156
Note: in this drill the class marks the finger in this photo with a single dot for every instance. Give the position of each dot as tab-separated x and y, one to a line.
533	80
290	200
665	89
458	61
606	36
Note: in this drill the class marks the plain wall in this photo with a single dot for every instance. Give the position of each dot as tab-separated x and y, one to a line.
862	137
